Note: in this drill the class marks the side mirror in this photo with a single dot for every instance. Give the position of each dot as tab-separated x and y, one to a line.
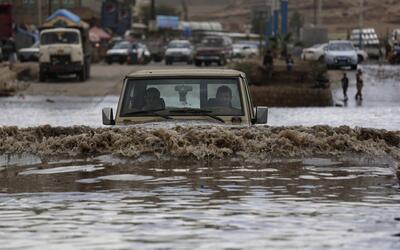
108	117
261	115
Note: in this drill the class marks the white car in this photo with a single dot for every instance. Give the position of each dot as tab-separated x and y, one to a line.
30	54
131	53
242	50
179	51
341	53
315	53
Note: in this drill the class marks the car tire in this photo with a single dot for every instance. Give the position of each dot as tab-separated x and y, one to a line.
42	77
360	59
109	62
354	67
321	59
207	63
82	75
221	62
198	63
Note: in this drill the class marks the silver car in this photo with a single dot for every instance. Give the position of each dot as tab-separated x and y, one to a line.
341	54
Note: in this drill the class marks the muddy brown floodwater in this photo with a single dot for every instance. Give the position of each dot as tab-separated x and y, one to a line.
112	203
199	187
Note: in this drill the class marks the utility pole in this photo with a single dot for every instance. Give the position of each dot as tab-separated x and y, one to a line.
315	12
50	7
153	10
361	23
320	13
185	10
39	6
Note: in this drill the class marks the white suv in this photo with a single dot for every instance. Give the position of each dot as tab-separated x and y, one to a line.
341	54
179	51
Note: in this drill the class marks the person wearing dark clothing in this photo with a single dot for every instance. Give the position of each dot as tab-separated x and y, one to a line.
268	59
289	63
359	85
268	63
345	85
10	50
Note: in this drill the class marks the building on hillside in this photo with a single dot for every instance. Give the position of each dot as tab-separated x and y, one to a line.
27	11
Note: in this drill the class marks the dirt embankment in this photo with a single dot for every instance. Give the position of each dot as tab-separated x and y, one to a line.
200	142
10	77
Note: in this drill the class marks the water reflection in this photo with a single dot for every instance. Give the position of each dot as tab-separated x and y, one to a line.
350	203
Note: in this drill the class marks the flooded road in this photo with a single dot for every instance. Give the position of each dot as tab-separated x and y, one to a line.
380	108
314	203
214	187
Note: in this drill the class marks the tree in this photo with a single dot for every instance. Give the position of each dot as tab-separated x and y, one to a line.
279	44
296	22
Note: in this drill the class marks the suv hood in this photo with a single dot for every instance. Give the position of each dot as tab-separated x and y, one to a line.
178	50
180	123
348	53
29	50
117	52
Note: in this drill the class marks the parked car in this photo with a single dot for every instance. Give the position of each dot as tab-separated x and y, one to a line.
341	54
242	50
214	49
127	52
218	96
179	51
314	53
30	54
317	53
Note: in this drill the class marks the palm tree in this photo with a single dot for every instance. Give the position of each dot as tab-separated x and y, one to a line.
279	44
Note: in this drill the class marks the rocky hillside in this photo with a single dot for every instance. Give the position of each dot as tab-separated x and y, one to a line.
339	15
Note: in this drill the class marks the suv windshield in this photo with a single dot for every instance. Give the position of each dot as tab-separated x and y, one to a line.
213	42
179	45
182	97
124	45
58	37
341	46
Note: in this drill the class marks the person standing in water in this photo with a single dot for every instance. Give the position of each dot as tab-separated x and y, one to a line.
359	85
345	85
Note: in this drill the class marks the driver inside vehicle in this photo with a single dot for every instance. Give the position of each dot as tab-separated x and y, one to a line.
152	100
223	102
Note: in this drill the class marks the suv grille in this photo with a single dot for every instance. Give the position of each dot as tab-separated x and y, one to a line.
60	59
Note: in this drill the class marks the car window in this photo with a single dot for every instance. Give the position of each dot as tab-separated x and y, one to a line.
219	96
213	42
341	46
59	37
121	46
179	45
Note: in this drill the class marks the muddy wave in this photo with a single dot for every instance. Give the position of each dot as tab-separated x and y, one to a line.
199	142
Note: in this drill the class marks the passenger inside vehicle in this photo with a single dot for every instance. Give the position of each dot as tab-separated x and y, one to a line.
152	100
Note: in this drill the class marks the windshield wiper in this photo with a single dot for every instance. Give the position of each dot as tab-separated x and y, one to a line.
153	112
196	111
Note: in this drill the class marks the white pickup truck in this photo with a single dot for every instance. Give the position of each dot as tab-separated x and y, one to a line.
220	96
